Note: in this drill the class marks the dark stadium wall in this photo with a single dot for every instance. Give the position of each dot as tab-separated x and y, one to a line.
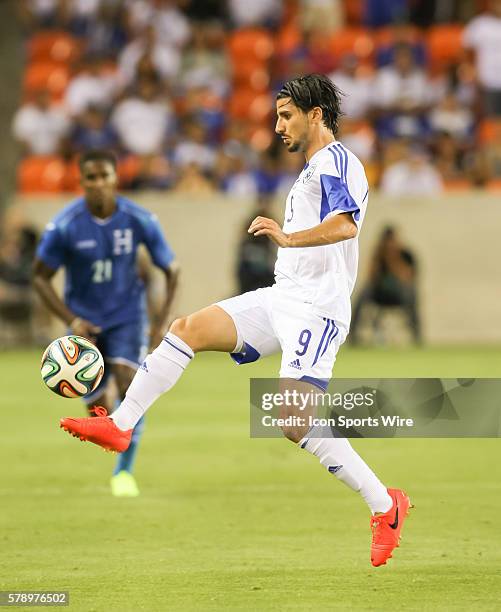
454	239
11	70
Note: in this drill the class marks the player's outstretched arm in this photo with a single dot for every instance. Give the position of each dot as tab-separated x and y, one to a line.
42	282
161	320
334	229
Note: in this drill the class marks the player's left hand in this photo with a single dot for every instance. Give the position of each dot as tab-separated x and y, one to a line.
262	226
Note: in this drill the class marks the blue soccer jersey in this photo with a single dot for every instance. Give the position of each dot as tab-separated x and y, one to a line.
102	283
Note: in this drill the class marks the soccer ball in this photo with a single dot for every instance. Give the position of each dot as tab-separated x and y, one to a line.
72	366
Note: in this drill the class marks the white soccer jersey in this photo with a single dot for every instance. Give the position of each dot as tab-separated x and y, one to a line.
333	182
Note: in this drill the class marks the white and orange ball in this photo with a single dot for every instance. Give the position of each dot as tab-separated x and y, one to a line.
72	366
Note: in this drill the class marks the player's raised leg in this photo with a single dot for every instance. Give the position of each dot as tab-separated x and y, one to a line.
210	329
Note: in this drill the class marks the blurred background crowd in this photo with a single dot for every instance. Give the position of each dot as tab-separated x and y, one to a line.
184	90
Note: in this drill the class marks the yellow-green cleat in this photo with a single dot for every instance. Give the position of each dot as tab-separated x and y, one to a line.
124	484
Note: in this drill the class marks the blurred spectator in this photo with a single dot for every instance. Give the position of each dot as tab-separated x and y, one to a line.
237	143
93	131
380	13
193	148
204	62
449	117
154	172
80	15
323	15
355	85
142	120
108	34
359	137
245	13
313	54
40	126
448	157
234	177
17	248
205	10
192	180
391	283
483	36
413	175
401	34
92	85
171	24
164	56
256	258
209	108
401	97
39	14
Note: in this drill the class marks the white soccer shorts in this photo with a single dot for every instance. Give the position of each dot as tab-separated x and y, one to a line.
269	321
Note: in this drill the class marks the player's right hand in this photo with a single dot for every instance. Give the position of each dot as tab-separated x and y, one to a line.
82	327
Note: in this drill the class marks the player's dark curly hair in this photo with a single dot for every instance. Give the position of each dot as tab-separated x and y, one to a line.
97	155
312	90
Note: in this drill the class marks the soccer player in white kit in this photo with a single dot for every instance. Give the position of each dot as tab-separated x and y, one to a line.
305	314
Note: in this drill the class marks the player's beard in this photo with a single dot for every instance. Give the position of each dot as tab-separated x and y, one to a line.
297	145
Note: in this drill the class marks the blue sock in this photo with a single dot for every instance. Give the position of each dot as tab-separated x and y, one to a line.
125	460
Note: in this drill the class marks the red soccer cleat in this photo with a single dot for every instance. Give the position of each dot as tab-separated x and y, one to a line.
386	527
100	430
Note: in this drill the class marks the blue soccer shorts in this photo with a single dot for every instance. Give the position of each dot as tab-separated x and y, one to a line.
125	344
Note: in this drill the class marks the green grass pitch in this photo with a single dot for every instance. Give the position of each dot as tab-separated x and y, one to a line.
229	523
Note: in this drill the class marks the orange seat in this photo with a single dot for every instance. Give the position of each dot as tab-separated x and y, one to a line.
489	131
494	185
387	36
248	76
246	104
352	40
457	185
445	45
46	75
288	38
128	169
58	47
41	175
250	43
354	11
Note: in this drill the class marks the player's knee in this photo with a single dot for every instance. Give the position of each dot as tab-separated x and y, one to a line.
189	331
294	434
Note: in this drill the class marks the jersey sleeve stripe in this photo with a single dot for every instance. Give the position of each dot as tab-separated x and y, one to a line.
336	161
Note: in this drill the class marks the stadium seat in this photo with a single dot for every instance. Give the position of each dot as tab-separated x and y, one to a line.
489	131
354	11
250	43
247	105
353	40
453	185
390	35
444	44
47	75
71	181
41	175
288	38
260	137
58	47
248	76
494	185
128	169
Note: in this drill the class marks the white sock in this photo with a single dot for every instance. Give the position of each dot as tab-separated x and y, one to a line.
339	457
159	373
